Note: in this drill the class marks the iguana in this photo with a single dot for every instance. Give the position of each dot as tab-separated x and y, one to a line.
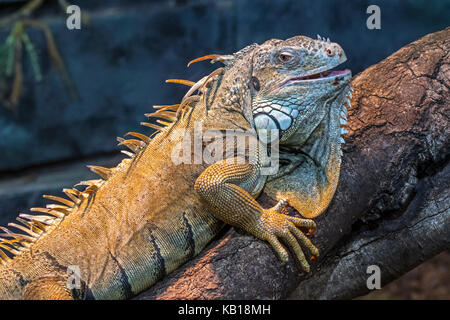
151	213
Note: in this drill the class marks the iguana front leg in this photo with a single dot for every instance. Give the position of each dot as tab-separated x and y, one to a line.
225	188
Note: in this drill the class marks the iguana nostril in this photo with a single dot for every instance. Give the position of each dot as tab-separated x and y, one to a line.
338	50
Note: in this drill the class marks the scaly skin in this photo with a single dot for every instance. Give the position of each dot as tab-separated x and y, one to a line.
150	214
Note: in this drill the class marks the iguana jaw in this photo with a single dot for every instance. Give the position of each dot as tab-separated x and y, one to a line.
317	78
315	71
300	102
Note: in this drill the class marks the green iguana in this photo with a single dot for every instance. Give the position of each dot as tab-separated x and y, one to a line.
152	212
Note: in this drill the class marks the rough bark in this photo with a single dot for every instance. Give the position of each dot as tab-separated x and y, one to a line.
392	206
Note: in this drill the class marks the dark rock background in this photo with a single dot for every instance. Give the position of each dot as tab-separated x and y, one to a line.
119	62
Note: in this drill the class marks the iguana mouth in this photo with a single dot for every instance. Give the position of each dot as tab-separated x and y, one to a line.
324	75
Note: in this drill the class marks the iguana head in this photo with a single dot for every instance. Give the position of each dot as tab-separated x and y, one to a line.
294	86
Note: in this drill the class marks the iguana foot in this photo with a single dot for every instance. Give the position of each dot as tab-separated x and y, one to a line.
274	226
227	201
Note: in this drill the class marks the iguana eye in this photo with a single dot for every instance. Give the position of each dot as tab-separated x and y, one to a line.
285	56
255	83
329	52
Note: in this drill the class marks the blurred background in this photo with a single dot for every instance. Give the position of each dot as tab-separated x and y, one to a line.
66	94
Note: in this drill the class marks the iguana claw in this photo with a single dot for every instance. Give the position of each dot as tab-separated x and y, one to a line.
275	226
280	205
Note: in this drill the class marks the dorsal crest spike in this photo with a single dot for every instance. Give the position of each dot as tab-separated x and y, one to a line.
57	207
210	77
173	107
130	154
187	102
91	189
168	115
89	182
9	248
194	88
38	229
59	199
47	220
26	230
224	58
55	213
17	236
141	136
207	57
181	81
4	257
164	123
103	172
200	85
73	194
132	144
151	125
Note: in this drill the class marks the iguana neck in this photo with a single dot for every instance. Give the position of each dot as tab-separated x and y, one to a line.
319	159
324	144
229	96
